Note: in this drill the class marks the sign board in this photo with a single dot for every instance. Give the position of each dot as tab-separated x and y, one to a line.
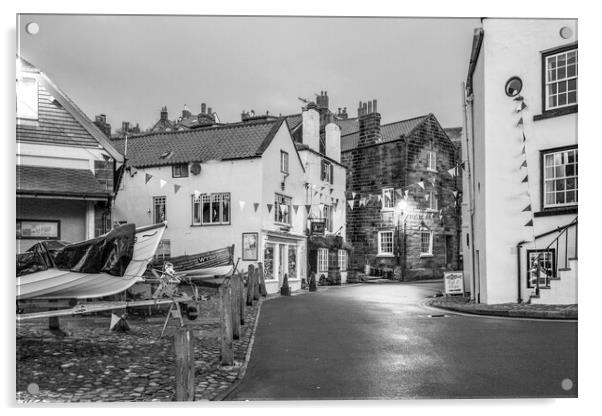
317	227
454	283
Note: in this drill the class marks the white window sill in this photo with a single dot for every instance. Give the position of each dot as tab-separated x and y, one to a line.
425	255
431	170
385	255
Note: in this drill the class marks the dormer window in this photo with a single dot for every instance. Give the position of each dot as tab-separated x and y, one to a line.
27	98
180	170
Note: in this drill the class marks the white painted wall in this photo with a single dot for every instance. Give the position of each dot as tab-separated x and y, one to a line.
512	47
58	156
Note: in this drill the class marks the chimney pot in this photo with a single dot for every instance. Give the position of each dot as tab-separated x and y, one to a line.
209	111
374	106
203	107
369	107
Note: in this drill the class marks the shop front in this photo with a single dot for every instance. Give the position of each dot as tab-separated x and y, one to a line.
283	254
328	258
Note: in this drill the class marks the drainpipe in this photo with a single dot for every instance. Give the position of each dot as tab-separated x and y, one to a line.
518	280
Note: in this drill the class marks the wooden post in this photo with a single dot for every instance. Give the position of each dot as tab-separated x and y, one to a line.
233	293
227	354
262	290
241	298
250	285
256	284
184	348
312	282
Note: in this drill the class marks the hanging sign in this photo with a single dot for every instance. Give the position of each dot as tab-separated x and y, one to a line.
317	227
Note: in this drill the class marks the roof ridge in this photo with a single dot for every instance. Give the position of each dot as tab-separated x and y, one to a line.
393	122
191	131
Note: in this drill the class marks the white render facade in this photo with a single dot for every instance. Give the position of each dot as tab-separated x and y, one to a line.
511	181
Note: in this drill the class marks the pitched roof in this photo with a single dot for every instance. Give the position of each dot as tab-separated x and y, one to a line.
224	142
42	180
391	131
294	120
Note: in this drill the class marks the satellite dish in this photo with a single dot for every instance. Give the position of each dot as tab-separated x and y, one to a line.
195	168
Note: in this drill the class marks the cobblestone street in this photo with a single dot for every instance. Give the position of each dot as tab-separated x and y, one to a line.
93	363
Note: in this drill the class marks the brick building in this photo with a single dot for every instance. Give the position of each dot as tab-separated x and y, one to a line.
402	212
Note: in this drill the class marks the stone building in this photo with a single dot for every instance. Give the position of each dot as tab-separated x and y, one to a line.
402	190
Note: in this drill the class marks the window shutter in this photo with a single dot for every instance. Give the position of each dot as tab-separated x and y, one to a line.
331	173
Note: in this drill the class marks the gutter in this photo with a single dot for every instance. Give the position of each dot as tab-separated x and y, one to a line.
518	248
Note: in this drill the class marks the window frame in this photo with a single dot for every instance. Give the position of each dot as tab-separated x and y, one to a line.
384	191
284	159
277	209
431	156
552	251
556	111
545	56
433	200
542	179
382	253
220	201
431	237
327	215
157	198
180	175
322	260
36	82
343	260
326	171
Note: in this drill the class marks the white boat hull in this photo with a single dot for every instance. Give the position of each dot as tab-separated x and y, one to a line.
63	284
209	271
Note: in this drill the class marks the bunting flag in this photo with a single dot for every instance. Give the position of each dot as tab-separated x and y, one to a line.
426	197
524	164
399	193
379	198
270	207
256	205
242	205
315	193
518	98
527	208
455	194
197	194
308	208
296	208
526	179
162	183
518	109
322	188
524	138
434	181
107	158
452	172
421	184
362	201
522	105
331	190
406	193
520	122
529	224
176	188
353	194
350	203
147	178
523	151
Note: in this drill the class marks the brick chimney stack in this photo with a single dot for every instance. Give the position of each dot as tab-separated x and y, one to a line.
101	122
163	113
125	126
342	115
369	123
186	112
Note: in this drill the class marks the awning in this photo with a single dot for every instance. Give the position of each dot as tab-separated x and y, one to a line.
331	242
47	181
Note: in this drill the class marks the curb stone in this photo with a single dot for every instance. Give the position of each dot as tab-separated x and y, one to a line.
531	314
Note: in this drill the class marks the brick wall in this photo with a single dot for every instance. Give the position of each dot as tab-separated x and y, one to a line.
396	164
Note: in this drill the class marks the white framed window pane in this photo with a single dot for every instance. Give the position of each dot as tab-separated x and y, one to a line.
27	98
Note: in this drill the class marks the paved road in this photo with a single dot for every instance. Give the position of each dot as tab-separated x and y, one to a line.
376	341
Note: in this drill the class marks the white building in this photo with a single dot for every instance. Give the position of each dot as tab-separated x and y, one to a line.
234	184
520	173
65	165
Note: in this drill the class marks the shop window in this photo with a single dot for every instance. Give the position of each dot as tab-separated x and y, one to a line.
268	262
292	262
322	261
343	260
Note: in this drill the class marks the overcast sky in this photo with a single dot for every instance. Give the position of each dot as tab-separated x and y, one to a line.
128	67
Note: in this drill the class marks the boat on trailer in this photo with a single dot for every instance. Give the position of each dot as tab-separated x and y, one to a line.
214	263
95	268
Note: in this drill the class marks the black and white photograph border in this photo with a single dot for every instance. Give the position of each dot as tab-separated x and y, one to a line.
218	327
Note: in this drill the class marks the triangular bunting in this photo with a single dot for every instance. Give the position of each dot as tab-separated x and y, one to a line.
147	178
176	188
331	190
523	151
322	188
421	184
256	206
524	164
526	179
106	157
455	194
452	172
350	203
523	105
434	181
529	224
308	208
270	207
405	194
296	208
353	194
399	193
197	194
162	183
524	138
520	122
426	197
315	193
242	205
527	208
518	98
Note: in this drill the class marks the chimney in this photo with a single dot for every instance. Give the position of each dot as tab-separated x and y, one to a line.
125	126
311	127
186	112
163	113
101	122
369	123
322	99
333	141
203	107
342	115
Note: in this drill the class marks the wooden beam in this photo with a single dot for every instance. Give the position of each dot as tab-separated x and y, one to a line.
184	350
227	353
